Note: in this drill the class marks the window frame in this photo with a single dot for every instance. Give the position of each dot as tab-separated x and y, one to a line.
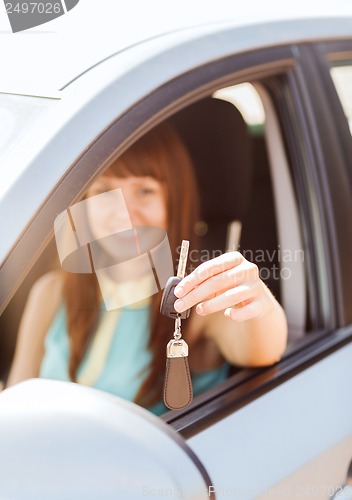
327	54
332	170
331	327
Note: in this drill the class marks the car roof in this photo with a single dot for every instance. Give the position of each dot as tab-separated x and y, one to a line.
46	58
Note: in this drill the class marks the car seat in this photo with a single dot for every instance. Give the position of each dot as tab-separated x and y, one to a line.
218	142
232	170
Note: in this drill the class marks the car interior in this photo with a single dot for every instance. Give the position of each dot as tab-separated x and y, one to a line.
234	163
241	191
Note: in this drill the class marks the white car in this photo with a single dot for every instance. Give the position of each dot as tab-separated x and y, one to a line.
271	95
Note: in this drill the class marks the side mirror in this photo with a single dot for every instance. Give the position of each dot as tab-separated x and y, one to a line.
62	440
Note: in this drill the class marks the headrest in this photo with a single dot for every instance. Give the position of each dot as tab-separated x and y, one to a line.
218	142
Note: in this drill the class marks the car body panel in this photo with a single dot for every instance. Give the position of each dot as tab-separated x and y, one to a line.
90	33
289	426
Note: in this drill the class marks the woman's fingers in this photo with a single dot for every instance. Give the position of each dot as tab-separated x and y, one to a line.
228	283
248	311
206	270
230	298
216	284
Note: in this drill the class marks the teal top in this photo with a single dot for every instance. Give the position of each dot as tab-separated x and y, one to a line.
126	361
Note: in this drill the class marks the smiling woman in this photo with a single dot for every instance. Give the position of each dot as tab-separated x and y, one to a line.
122	351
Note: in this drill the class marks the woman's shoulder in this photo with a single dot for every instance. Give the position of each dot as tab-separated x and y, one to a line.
51	282
46	293
42	304
44	300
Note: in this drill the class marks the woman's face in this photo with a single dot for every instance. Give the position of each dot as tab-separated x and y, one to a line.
145	201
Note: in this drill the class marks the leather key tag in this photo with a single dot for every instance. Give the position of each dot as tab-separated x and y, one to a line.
178	392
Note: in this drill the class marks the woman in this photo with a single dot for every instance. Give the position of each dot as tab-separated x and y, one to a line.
65	334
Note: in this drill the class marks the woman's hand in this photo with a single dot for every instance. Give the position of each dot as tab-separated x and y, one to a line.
257	335
228	283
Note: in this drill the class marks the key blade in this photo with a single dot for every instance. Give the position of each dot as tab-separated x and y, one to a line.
181	268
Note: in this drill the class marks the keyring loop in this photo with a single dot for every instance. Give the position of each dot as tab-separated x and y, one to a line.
177	333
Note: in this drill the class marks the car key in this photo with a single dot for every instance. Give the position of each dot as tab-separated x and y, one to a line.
178	391
169	298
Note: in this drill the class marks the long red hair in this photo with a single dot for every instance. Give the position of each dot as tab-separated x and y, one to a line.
159	154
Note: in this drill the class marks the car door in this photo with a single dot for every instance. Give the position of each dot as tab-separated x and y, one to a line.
306	419
241	429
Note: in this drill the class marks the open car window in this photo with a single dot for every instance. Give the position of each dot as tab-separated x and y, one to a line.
247	201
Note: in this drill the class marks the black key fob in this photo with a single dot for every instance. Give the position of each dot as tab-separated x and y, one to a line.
169	298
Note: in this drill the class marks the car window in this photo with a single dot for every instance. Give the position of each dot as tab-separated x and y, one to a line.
271	234
342	78
247	208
